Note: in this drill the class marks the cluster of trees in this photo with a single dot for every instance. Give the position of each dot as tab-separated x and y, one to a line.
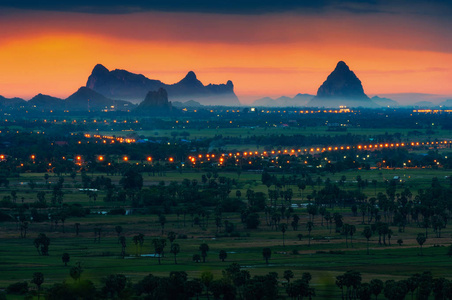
235	283
421	285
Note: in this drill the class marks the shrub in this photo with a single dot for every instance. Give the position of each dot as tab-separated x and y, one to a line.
5	217
117	211
18	288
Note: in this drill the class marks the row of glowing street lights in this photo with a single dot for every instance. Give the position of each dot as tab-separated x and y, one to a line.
193	158
111	138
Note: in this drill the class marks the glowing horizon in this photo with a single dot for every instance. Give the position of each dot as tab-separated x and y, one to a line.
272	54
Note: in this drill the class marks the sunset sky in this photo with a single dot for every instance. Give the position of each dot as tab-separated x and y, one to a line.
267	48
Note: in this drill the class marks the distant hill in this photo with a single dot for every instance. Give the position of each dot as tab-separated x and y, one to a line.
341	87
298	100
86	99
46	102
121	84
447	103
12	102
424	104
384	102
409	99
189	103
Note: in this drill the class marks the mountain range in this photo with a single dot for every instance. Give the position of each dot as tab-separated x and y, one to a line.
12	102
124	85
84	99
341	88
109	90
297	101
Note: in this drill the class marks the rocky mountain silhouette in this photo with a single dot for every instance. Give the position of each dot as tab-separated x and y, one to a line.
121	84
342	87
155	101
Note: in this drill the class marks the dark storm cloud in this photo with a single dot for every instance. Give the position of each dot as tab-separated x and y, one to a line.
206	6
211	6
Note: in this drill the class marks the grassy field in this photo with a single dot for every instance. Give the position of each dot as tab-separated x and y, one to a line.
19	258
267	131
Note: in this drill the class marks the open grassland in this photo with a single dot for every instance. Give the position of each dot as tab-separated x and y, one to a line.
324	253
246	132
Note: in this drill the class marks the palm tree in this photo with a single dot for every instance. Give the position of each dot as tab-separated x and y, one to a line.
206	279
309	226
122	241
222	255
367	233
135	241
65	258
77	228
351	231
159	244
346	231
288	274
267	254
118	230
175	249
171	237
421	240
196	258
38	279
204	248
76	272
162	221
283	228
376	287
141	241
